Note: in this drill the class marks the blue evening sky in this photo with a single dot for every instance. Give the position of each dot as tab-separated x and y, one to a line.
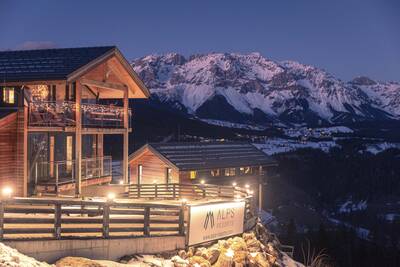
345	37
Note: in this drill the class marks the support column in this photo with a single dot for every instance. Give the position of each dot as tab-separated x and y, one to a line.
78	141
126	137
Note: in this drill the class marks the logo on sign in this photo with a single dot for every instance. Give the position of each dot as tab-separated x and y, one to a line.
209	220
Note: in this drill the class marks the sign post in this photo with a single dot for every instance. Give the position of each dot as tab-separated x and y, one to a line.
213	221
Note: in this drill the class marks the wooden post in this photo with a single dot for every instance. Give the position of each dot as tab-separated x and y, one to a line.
106	220
56	187
126	137
182	220
1	220
174	191
57	221
78	140
146	229
156	190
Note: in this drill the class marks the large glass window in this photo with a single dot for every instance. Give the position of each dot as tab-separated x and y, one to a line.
215	173
193	174
245	170
9	95
230	172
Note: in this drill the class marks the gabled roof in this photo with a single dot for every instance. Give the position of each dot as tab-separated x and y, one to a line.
46	64
59	64
201	155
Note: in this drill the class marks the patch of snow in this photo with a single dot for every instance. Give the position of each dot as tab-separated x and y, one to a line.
279	145
233	124
380	147
350	206
12	258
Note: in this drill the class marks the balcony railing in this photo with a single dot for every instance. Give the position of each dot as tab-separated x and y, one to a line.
103	116
62	114
57	173
52	113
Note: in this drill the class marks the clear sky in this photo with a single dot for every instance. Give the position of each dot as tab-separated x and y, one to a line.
345	37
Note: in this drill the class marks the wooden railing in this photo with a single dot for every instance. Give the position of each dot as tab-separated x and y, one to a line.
182	191
27	218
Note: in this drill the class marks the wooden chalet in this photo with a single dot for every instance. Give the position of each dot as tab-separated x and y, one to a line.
54	112
220	163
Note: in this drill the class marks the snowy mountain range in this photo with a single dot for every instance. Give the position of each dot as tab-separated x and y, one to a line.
253	89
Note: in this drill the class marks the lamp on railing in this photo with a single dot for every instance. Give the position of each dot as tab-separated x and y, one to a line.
111	196
7	192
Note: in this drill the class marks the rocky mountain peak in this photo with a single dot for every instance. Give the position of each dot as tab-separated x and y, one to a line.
254	89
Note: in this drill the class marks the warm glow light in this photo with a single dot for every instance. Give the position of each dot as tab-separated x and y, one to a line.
202	181
234	184
154	181
111	196
247	186
121	182
229	253
7	191
183	200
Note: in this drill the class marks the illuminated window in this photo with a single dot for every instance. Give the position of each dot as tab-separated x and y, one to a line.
168	173
140	173
193	174
230	172
9	95
215	172
245	170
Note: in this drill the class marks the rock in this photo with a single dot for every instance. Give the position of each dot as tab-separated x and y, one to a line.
200	261
77	262
238	244
214	254
179	262
182	254
225	259
257	259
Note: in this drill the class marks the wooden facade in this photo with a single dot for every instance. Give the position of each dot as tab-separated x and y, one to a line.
54	134
154	162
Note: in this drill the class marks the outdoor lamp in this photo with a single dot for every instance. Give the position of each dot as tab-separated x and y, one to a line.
7	191
111	196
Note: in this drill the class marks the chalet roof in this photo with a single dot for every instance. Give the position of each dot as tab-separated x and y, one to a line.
201	155
59	64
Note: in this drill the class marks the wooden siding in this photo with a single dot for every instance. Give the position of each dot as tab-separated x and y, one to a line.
154	169
12	148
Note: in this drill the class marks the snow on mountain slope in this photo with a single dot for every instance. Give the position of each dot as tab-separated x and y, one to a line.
252	89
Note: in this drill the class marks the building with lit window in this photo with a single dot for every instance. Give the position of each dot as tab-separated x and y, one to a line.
221	163
56	105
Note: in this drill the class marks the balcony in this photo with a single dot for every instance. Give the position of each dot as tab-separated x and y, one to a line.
103	116
59	176
51	114
62	114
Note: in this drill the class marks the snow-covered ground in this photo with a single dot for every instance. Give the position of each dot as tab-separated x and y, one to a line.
380	147
317	132
280	145
12	258
234	125
350	206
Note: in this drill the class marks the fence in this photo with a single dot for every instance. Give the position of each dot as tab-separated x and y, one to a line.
44	218
22	218
60	172
180	191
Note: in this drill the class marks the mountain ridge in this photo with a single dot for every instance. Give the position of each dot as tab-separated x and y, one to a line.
249	88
